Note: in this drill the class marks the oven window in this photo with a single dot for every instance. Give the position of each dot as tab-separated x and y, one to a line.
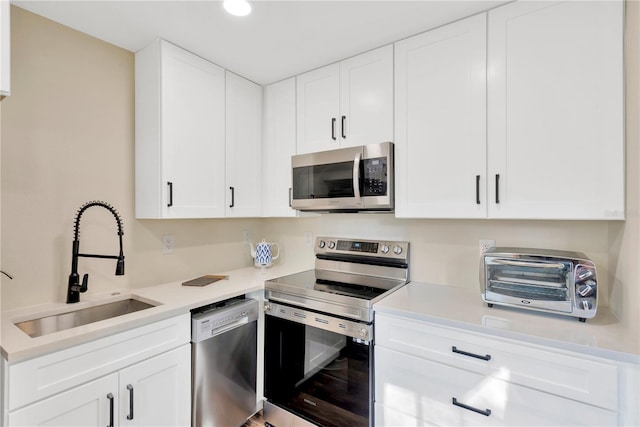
318	375
323	181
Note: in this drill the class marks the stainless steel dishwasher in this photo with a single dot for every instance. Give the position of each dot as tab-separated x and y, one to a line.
224	359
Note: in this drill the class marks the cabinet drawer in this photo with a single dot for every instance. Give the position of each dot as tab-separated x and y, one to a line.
562	373
425	390
44	376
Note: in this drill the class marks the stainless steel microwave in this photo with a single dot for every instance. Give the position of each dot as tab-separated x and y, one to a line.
559	282
350	179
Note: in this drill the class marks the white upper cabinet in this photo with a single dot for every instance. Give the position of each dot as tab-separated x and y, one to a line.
347	103
555	110
440	117
243	147
545	142
5	48
279	145
180	134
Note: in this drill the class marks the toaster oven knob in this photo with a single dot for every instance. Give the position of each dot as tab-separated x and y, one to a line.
321	244
587	289
584	273
384	249
363	332
332	245
586	304
397	250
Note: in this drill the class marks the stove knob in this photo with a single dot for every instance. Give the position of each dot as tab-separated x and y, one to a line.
267	306
363	332
332	245
321	244
397	250
384	249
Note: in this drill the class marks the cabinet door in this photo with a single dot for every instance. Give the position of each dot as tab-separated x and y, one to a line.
179	152
440	118
366	98
86	405
318	104
157	392
193	134
555	118
243	148
279	145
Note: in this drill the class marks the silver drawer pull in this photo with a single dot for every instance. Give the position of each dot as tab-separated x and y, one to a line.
528	263
486	412
466	353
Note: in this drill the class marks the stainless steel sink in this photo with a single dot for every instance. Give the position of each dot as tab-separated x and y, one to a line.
60	322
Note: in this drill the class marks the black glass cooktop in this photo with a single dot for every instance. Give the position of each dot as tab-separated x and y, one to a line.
307	280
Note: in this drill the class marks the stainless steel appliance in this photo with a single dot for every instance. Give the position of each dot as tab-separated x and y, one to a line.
319	333
224	362
344	180
558	282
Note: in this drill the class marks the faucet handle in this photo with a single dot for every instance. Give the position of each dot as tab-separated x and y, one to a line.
85	282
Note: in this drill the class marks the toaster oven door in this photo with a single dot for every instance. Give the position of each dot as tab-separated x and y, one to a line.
537	283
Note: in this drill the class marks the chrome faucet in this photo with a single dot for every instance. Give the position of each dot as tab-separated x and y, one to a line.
74	288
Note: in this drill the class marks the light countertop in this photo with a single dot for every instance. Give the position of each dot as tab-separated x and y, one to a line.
603	336
172	298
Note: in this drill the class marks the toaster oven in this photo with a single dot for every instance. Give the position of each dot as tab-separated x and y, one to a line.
552	281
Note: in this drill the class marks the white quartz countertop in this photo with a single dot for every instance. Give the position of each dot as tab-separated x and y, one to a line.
602	336
172	299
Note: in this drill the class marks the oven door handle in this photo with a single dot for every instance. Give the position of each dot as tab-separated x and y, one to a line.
356	179
303	305
528	264
327	322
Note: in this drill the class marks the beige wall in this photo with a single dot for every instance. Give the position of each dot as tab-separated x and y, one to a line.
624	238
67	137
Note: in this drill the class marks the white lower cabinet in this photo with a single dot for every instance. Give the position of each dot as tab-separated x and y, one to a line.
140	377
85	405
157	392
428	374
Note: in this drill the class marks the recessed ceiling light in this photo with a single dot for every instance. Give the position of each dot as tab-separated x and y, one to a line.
237	7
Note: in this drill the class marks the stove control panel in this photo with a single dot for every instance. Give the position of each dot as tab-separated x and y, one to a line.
372	248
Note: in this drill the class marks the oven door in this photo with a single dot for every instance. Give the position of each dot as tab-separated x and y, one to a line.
317	368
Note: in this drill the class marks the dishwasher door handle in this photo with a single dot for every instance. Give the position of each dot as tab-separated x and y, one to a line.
229	326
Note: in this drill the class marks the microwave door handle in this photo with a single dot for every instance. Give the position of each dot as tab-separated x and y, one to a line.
356	179
528	264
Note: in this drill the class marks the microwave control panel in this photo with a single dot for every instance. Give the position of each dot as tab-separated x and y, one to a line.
375	177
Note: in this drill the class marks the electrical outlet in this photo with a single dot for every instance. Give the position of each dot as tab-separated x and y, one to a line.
308	238
168	244
246	236
485	245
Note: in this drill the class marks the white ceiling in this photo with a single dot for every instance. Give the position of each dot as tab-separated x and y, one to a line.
278	40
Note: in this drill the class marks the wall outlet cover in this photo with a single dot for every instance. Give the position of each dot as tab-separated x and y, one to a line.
486	244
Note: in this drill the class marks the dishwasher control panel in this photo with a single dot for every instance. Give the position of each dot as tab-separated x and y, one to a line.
222	317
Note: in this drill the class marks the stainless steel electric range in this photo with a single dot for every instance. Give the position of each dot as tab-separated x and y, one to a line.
319	333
